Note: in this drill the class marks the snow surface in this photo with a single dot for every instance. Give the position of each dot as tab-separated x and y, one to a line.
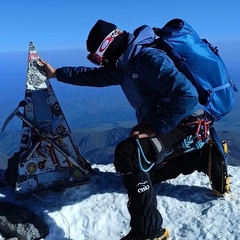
98	210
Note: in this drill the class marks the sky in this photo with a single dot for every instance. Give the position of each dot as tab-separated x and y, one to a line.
59	29
65	24
98	209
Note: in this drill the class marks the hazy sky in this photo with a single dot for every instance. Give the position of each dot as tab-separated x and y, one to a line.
59	24
54	24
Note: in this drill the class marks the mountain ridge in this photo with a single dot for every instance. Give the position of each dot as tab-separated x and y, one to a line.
99	146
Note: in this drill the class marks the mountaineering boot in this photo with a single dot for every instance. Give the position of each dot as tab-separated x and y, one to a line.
209	160
146	220
163	235
217	170
183	164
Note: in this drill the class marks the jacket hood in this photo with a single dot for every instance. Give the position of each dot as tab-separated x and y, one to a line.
141	36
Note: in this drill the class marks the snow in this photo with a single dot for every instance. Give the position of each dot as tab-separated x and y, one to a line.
98	209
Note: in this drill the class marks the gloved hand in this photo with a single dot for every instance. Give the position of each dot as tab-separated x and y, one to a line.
186	143
195	144
142	130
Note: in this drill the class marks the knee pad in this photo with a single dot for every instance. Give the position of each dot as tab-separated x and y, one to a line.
159	149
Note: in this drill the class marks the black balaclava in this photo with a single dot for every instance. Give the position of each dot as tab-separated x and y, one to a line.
98	33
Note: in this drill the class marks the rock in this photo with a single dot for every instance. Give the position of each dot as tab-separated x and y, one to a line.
20	223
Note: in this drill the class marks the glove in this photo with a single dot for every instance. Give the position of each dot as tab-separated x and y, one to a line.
195	145
142	130
186	143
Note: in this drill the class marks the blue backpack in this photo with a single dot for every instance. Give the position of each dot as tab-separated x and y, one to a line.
200	62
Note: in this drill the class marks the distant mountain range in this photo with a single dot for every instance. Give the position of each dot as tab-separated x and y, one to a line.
101	145
97	126
98	146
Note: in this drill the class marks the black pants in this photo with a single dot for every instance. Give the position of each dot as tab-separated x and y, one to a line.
126	157
146	221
